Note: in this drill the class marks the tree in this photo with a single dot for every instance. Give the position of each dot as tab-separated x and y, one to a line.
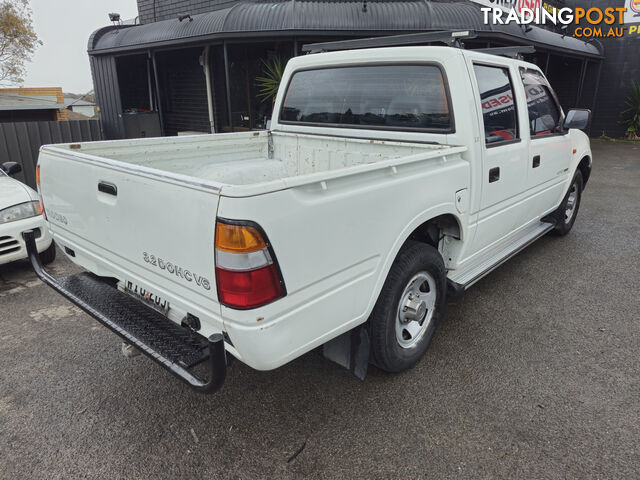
18	40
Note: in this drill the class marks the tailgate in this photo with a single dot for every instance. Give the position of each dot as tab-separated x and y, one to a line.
136	224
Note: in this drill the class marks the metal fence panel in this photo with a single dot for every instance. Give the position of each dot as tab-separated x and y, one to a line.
21	142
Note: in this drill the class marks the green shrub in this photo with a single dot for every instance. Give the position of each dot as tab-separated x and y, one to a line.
269	84
632	114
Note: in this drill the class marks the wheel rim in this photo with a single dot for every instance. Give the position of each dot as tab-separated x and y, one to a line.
572	202
416	309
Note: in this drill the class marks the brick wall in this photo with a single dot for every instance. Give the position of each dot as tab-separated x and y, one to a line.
157	10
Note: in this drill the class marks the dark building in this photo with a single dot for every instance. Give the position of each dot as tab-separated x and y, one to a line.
620	69
191	65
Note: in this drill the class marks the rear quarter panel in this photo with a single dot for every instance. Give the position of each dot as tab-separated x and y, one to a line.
335	242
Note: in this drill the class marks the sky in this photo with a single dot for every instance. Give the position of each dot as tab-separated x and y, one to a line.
65	26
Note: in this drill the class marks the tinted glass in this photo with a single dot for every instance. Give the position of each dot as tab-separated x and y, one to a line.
498	105
544	114
376	96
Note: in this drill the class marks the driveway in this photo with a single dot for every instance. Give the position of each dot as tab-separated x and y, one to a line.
534	373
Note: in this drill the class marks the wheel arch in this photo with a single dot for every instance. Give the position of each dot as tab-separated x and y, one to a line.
420	229
431	230
585	169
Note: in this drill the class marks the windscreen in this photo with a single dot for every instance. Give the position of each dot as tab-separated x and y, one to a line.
374	96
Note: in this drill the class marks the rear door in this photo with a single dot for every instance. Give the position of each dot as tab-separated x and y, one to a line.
550	147
504	151
133	224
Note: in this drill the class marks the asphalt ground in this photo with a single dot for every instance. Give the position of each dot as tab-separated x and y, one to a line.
534	373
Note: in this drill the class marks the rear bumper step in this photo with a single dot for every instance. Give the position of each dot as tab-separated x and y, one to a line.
169	344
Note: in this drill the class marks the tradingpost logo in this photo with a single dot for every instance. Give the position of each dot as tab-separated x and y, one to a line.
589	22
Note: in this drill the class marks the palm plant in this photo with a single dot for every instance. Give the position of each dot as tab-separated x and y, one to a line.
268	84
632	114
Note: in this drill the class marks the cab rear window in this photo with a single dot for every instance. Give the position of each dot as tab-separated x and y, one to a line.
387	97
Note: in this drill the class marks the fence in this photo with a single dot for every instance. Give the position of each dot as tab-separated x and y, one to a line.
20	142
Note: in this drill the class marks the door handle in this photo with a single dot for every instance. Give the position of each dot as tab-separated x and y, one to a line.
536	161
494	175
108	188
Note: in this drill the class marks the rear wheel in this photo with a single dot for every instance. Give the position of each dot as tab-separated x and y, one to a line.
49	255
566	214
409	308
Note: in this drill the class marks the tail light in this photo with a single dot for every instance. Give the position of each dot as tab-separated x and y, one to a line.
247	273
44	213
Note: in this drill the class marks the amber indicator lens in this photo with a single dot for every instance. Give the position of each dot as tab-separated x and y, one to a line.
238	238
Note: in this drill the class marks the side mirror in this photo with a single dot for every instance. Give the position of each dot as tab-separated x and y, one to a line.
11	168
579	118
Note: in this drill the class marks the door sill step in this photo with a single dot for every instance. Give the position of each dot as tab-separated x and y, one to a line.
502	252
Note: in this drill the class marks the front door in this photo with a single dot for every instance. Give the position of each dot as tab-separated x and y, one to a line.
550	147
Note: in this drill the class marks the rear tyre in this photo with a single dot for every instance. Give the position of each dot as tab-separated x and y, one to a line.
49	255
409	308
566	214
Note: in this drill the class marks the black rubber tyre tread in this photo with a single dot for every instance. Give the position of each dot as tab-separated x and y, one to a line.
386	353
562	228
49	255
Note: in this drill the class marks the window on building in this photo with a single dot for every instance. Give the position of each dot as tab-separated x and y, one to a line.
374	96
498	104
544	113
183	91
248	64
134	80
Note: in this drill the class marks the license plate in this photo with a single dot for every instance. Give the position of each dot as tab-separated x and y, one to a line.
151	299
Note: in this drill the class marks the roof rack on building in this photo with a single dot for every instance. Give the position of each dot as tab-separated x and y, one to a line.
450	38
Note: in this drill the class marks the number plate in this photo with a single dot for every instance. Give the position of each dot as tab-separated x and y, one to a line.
151	299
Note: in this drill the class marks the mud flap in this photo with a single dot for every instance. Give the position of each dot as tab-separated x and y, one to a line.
350	350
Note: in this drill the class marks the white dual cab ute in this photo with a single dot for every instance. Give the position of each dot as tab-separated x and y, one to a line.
389	178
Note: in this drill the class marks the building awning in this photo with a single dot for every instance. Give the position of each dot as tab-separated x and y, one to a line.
251	19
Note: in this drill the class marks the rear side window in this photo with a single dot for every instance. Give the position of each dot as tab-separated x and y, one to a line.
392	97
498	105
544	113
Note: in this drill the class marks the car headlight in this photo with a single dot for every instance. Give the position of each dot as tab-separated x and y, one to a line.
20	211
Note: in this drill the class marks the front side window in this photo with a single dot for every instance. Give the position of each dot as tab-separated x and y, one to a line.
392	97
544	113
498	104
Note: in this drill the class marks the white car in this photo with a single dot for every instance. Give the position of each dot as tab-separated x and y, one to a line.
389	179
20	211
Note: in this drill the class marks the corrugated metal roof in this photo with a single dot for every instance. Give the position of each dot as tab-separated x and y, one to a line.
10	101
300	16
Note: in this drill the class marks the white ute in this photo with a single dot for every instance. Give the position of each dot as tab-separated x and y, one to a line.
389	178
